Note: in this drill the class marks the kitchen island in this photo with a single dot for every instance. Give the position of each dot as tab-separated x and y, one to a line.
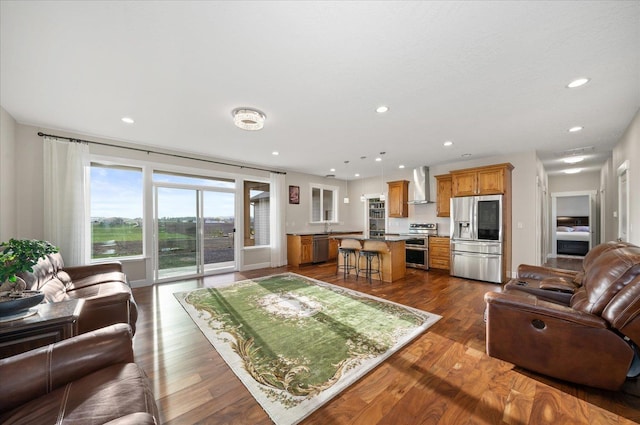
391	248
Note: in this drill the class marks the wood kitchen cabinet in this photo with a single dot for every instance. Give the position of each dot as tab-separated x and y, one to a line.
439	252
398	197
333	248
490	180
443	197
299	249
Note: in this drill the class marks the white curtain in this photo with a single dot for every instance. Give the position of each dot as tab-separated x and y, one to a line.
65	219
277	216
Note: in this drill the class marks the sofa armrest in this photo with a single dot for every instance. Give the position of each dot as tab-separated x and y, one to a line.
539	272
559	284
544	308
37	372
80	272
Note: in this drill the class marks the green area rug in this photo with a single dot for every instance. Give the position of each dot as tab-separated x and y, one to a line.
296	342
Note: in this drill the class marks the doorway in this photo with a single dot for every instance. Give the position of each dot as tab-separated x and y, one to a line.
194	231
574	224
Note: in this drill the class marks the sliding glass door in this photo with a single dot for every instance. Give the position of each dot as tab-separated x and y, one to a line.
195	230
218	229
177	232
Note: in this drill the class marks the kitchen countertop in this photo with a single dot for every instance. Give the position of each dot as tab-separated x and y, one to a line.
360	237
335	232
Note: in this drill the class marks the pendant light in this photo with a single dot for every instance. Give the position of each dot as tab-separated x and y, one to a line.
346	198
382	196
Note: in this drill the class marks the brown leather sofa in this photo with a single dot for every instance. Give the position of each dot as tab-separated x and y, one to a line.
590	340
104	288
87	379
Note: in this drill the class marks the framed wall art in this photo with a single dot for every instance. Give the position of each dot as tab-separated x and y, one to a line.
294	194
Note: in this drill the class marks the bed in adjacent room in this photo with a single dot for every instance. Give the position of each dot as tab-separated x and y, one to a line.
572	235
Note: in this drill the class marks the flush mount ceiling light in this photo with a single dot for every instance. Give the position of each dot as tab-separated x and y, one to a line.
577	83
248	119
573	159
572	170
575	129
127	120
382	109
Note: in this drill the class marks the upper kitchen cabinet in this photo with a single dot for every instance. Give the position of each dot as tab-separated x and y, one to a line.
398	197
489	180
443	199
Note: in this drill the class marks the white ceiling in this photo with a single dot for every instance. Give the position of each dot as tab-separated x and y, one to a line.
489	76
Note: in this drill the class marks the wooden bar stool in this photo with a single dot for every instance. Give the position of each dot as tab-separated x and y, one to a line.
369	270
347	265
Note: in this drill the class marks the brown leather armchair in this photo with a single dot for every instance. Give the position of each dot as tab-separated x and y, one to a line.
87	379
589	340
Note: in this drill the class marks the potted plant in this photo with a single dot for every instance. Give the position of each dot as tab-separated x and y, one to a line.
17	256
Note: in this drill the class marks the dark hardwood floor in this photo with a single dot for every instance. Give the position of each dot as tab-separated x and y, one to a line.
442	377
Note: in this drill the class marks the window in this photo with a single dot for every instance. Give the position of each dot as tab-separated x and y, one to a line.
256	213
165	177
323	204
116	211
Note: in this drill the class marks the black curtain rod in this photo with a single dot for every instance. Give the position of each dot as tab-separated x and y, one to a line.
71	139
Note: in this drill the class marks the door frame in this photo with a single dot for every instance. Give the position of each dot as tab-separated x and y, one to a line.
594	222
200	269
623	201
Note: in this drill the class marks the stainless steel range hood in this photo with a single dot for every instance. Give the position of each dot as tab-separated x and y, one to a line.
421	189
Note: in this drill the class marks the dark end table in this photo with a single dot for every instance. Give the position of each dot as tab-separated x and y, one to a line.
52	323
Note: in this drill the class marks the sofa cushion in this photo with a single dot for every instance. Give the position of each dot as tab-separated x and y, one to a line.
97	398
607	275
97	279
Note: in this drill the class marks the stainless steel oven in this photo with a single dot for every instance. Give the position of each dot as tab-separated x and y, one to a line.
417	248
417	253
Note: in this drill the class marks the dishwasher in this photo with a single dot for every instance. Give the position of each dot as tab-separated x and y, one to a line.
320	248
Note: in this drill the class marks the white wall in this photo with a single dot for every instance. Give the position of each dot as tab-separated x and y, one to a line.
572	206
8	176
574	182
628	148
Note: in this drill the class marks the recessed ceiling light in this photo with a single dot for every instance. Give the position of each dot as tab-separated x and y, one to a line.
573	159
332	170
401	166
465	155
448	143
127	120
576	128
572	170
578	82
356	175
276	153
382	109
378	159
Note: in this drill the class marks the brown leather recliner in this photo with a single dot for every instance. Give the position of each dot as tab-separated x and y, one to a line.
589	340
558	285
87	379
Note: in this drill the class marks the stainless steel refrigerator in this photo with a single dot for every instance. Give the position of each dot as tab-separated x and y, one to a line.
476	238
